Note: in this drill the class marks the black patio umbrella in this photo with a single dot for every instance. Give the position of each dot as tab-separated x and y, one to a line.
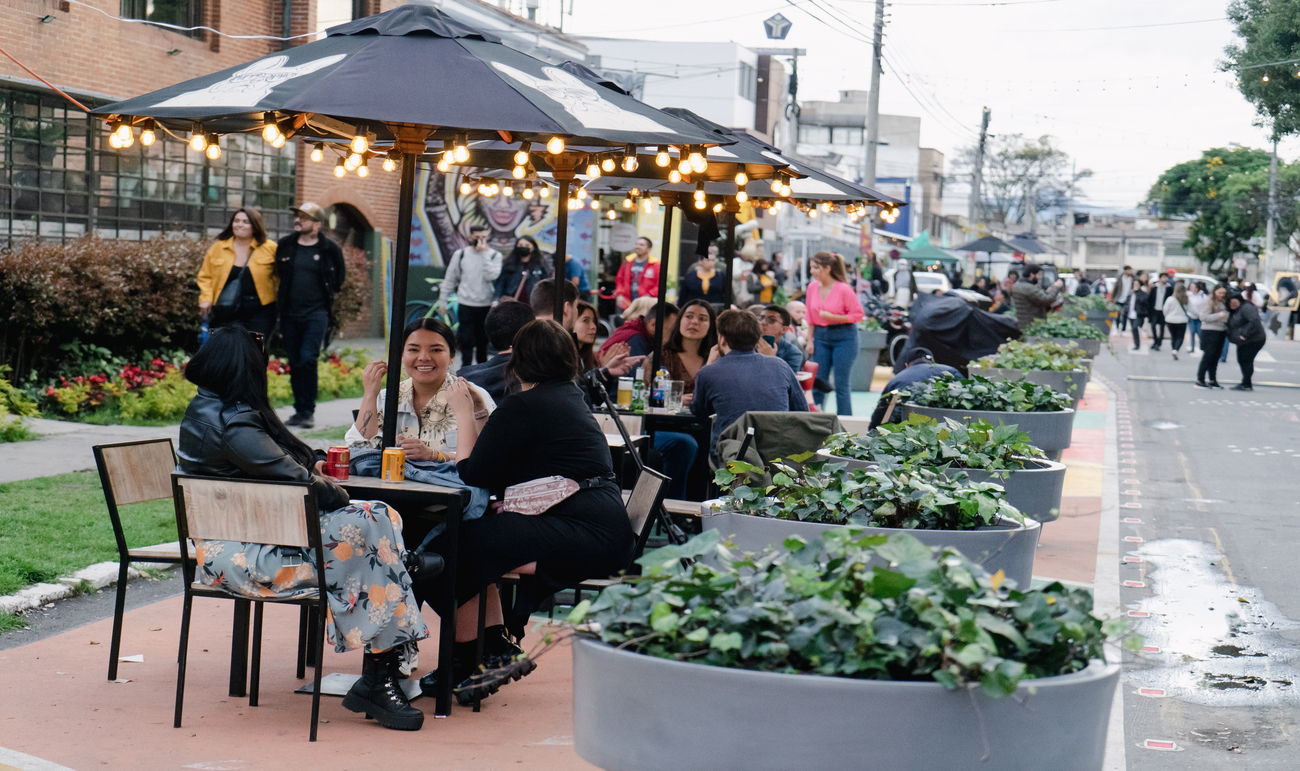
1028	243
988	244
400	80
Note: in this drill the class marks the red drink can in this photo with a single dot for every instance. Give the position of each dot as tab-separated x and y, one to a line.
337	460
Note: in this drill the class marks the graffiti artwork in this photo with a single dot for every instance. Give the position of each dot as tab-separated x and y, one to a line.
443	217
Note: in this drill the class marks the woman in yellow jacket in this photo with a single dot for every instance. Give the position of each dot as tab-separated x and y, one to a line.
242	261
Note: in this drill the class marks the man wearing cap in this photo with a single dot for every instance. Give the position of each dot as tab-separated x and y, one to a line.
920	367
311	273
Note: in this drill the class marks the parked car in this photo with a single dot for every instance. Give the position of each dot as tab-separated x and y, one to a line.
926	281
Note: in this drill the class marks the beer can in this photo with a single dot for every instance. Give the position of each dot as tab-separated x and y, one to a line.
337	460
394	465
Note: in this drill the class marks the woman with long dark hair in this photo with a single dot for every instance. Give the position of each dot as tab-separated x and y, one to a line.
1246	329
238	280
585	329
691	343
230	430
1214	326
1136	307
522	269
834	311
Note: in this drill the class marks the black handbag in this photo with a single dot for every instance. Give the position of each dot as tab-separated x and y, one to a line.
229	302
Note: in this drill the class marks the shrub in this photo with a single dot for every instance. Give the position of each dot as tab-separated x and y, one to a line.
824	609
1057	325
355	291
922	441
1041	356
163	399
980	393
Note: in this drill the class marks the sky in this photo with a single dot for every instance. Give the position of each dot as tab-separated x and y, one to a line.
1125	87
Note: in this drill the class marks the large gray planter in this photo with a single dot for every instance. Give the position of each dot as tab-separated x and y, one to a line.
1048	431
870	344
1090	347
1070	382
1007	546
633	712
1035	490
1098	319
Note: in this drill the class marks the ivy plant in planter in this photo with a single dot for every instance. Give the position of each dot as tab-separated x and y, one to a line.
1057	325
1063	367
876	647
983	451
1040	411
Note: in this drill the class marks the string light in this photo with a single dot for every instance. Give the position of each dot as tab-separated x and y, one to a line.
147	135
812	213
466	188
278	142
461	152
363	170
360	143
826	207
700	204
776	185
611	215
595	204
742	178
1265	78
582	193
444	165
674	176
717	207
698	162
661	157
741	196
340	169
545	192
519	172
630	163
684	166
270	129
521	155
648	205
509	190
352	161
699	191
528	194
607	165
555	146
317	153
390	164
114	142
593	170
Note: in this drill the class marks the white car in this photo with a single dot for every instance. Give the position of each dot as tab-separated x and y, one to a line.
926	281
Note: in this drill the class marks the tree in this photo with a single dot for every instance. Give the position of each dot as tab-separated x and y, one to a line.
1270	35
1016	171
1225	193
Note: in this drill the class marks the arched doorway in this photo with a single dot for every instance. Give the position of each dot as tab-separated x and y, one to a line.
349	228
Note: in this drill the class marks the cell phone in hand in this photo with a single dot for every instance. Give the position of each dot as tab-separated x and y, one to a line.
771	340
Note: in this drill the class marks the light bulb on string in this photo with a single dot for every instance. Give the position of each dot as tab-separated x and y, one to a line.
555	146
684	166
776	185
198	142
340	169
278	142
519	172
701	204
717	207
528	194
593	170
777	205
595	204
698	162
130	139
483	188
466	188
317	153
661	158
214	150
545	192
114	141
444	165
628	203
270	129
122	129
699	191
826	207
674	176
521	155
741	196
509	190
1265	78
742	178
147	134
461	153
611	214
363	170
812	213
648	205
630	163
607	165
785	190
582	193
390	164
354	160
359	142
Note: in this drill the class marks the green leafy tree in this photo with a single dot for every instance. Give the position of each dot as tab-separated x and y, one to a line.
1270	35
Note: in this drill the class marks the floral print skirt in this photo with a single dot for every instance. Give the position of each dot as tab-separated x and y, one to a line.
368	589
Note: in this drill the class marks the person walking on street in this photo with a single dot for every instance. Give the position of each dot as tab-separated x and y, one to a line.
1156	309
1214	325
637	277
471	276
238	278
1136	308
1227	341
311	274
1247	331
904	285
834	311
1175	314
521	271
1197	297
1031	300
1122	292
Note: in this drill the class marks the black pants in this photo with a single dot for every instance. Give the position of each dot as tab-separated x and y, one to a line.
259	319
1211	346
471	333
303	338
1137	331
1246	353
1157	328
1176	334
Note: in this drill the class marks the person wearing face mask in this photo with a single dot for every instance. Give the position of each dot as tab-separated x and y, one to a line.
638	276
471	276
522	269
704	282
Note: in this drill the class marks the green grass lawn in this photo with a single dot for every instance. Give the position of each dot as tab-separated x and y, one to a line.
54	526
335	434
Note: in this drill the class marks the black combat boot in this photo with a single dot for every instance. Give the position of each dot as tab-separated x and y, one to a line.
379	694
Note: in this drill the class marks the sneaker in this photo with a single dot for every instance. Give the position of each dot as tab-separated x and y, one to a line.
303	420
1200	384
1175	353
1241	387
1215	385
1137	347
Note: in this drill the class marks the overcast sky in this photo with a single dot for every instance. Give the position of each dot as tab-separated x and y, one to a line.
1125	100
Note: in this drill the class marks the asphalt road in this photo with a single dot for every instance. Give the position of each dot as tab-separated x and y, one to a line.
1210	520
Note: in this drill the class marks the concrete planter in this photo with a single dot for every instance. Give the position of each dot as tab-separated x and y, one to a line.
1048	431
1070	382
1098	319
870	344
1035	490
633	712
1006	546
1090	347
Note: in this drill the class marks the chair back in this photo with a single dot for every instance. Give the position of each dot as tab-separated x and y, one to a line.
247	510
647	496
133	472
777	435
631	422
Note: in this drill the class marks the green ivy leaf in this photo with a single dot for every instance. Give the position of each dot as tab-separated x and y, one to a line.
729	641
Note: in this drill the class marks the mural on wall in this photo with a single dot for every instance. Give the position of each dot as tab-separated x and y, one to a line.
443	217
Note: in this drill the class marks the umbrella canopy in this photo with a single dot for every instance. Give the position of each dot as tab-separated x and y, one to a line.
988	244
1028	243
928	253
413	65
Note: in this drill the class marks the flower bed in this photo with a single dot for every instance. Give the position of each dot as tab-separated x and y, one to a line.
14	406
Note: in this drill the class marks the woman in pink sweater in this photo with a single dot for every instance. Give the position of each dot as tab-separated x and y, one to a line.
833	311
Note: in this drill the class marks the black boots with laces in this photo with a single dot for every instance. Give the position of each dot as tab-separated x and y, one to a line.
379	694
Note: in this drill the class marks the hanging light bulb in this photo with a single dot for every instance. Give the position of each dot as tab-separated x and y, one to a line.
466	188
278	142
359	142
595	204
390	164
363	170
699	191
509	190
130	139
698	162
684	166
612	214
444	165
147	134
317	153
519	172
340	169
198	142
354	160
777	206
742	178
483	188
555	146
826	207
270	129
630	163
545	192
674	176
812	213
661	157
114	141
635	192
741	196
214	150
648	205
701	204
607	165
461	152
123	132
528	194
593	170
521	155
785	190
1265	78
776	185
628	203
582	193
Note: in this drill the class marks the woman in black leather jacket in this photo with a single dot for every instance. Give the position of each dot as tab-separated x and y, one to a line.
230	430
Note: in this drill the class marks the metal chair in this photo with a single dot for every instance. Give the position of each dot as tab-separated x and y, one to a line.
248	511
133	472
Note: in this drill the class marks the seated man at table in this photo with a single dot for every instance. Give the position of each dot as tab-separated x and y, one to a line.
542	301
743	380
502	323
920	367
777	322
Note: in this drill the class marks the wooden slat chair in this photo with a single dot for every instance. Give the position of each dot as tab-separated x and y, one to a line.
133	472
250	511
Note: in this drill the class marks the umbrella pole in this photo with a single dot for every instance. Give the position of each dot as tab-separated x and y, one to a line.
561	249
730	283
411	146
663	284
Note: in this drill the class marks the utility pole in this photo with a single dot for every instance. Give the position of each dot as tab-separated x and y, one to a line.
976	203
1270	229
1069	221
872	138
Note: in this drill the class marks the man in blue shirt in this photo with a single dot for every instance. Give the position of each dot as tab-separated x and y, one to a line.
777	323
920	367
577	275
743	380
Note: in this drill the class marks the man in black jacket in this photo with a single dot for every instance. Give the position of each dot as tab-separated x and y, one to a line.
1156	309
311	273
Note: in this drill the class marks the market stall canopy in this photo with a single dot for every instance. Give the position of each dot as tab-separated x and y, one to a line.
921	250
988	244
413	65
1028	243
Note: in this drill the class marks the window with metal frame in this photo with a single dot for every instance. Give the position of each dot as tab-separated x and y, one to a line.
179	13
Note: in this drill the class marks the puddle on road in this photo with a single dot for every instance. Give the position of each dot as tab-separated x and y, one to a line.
1220	645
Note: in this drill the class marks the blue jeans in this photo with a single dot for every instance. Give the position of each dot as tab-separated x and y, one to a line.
1193	333
303	338
834	351
1224	356
678	452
